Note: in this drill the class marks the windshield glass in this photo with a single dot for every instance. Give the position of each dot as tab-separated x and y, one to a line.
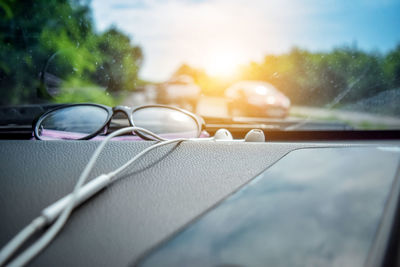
325	62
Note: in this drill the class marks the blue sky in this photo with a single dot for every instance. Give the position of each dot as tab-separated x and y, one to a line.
204	32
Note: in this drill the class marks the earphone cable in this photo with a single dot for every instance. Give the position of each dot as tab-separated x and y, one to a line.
40	221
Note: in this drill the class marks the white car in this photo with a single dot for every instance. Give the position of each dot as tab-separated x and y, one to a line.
180	91
256	98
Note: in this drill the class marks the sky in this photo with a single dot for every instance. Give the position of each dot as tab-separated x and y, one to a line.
219	35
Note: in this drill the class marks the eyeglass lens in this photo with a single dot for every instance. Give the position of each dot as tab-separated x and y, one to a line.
73	122
166	122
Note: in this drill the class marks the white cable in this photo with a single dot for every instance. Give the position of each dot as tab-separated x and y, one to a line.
9	249
49	235
123	167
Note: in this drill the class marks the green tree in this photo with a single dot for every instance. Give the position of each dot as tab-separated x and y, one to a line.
391	67
120	62
58	37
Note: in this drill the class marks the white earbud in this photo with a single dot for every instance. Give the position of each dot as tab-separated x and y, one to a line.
223	134
255	135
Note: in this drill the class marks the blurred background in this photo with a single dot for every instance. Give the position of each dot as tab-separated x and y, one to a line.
333	61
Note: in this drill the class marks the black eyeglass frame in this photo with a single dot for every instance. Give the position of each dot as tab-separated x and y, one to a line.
128	111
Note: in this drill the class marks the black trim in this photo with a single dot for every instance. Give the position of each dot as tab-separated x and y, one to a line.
316	135
330	135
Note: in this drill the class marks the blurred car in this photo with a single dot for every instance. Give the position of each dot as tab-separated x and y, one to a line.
180	91
256	98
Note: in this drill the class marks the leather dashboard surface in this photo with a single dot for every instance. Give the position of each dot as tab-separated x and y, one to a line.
156	197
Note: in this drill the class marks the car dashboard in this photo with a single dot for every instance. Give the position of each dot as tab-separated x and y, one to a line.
160	196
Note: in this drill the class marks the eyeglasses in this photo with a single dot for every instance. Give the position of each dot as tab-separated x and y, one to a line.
85	121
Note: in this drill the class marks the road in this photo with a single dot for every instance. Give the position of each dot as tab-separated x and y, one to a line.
360	119
206	106
216	106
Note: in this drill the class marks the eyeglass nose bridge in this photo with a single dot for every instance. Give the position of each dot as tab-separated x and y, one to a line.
126	110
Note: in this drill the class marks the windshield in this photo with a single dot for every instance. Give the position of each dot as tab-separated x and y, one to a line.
325	62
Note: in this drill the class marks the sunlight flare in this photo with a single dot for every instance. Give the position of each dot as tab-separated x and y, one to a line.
223	63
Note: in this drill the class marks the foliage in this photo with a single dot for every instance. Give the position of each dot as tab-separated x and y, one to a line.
84	94
120	61
74	91
57	37
391	67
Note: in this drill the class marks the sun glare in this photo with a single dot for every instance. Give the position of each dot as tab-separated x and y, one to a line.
222	63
